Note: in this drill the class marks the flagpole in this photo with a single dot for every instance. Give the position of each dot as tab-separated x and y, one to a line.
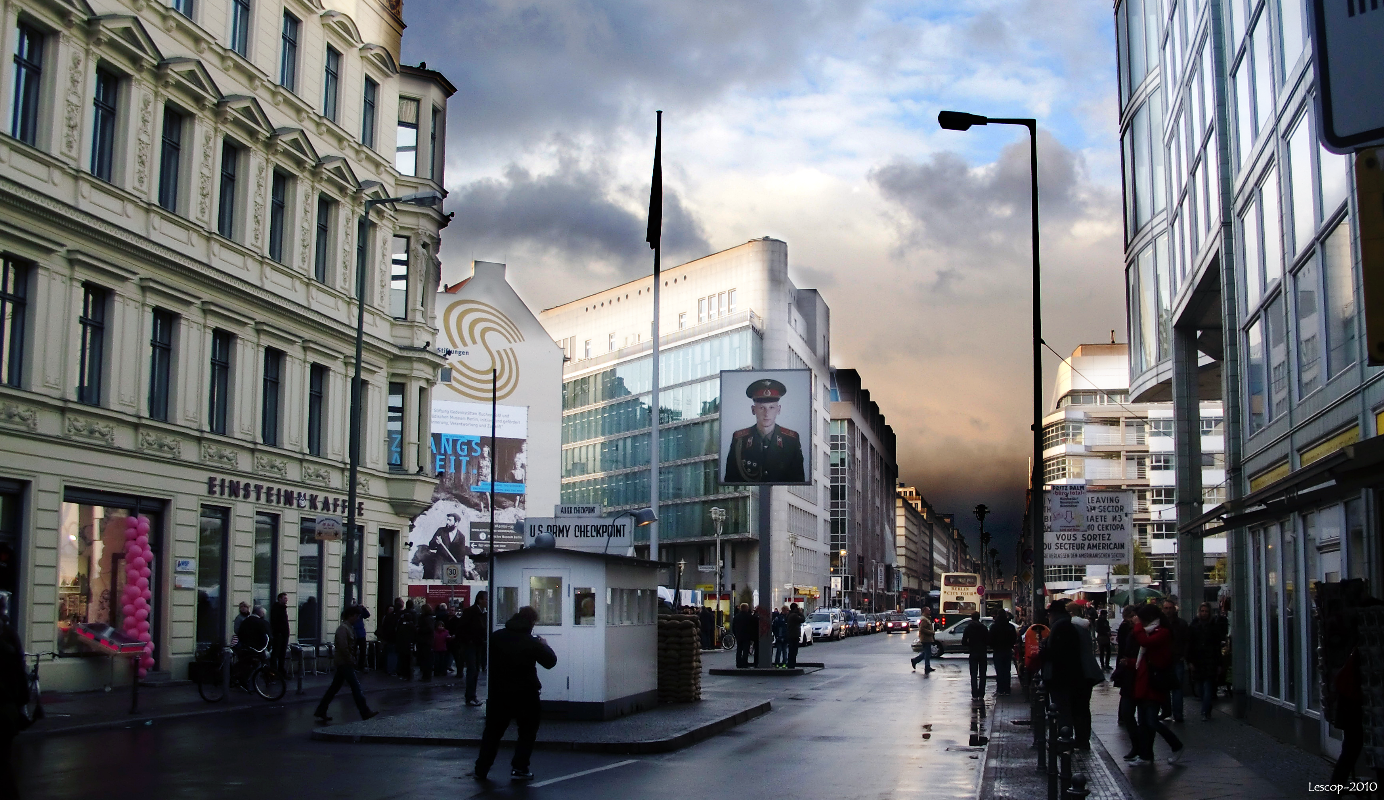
655	239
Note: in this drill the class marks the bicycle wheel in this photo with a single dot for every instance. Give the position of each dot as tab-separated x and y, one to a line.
269	683
727	641
33	710
212	688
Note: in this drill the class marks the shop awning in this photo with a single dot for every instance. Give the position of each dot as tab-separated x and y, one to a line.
1339	475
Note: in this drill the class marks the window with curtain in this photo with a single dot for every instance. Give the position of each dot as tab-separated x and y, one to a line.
406	141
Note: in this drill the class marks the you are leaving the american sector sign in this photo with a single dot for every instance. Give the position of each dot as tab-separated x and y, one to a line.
1087	526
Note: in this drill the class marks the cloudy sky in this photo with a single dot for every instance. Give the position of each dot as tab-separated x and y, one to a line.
814	122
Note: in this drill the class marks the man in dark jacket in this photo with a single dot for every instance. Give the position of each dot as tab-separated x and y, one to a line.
975	640
278	631
1066	676
1205	640
423	642
707	621
793	632
385	631
254	637
1179	629
1101	630
14	696
745	628
514	692
405	632
1002	639
471	633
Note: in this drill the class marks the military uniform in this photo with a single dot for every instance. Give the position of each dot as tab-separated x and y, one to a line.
755	457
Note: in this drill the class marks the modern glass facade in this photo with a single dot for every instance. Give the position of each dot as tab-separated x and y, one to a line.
607	421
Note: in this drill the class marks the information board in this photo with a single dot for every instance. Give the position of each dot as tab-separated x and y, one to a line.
1087	526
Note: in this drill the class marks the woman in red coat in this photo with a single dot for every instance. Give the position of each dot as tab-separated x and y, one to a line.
1152	673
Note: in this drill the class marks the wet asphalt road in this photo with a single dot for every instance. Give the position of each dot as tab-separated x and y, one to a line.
865	727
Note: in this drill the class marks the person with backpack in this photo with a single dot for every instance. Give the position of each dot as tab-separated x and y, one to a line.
405	632
1154	677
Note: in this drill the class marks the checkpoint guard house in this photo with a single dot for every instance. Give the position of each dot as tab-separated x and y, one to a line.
597	608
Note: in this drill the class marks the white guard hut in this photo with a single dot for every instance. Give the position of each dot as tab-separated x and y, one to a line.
599	613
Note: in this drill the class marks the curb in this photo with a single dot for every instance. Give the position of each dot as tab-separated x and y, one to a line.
759	672
678	742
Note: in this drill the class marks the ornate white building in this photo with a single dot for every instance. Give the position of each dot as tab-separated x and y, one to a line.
181	191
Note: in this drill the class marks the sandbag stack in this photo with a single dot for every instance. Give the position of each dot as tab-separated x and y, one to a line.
679	659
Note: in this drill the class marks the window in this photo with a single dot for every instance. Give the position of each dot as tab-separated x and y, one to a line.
1212	426
265	572
730	302
160	363
701	310
278	204
1291	22
1309	322
434	157
317	392
1340	299
103	124
1276	331
91	564
610	343
1160	462
545	596
1301	191
225	210
91	361
406	145
288	56
1213	460
218	396
394	426
331	84
309	581
213	533
587	349
1254	267
28	74
1160	427
184	7
682	320
1273	229
240	27
367	125
721	304
269	419
398	278
362	256
1263	75
1061	433
1143	156
1254	375
1162	496
322	253
14	302
1333	177
170	157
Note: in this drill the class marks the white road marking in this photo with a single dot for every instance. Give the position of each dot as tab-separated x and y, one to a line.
551	781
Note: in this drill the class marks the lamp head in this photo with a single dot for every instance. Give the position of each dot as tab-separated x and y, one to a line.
431	197
959	120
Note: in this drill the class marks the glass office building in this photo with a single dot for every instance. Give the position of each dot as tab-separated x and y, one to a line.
1244	284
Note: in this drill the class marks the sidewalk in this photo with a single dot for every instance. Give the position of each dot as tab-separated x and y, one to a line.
75	712
1011	763
1225	759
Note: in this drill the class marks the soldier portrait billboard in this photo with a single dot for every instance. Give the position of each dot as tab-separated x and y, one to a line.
766	427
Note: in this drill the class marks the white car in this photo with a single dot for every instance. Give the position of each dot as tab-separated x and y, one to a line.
826	625
948	640
913	614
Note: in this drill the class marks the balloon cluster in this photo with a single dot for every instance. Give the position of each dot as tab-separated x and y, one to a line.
135	602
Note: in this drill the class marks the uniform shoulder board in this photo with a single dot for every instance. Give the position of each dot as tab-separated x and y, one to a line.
788	432
744	432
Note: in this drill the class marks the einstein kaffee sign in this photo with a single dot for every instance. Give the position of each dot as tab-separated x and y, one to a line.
1087	526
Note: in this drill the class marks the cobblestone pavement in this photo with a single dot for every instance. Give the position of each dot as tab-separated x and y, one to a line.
1011	763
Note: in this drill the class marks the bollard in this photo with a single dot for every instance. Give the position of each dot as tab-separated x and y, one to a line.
1053	745
1078	789
1066	743
298	657
1038	722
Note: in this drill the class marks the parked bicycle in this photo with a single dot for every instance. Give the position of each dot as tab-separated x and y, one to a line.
726	637
249	669
33	710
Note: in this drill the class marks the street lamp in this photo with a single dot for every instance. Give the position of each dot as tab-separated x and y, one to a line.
642	518
981	511
718	517
841	567
961	121
427	198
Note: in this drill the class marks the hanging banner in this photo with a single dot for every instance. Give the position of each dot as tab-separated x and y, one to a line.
1087	526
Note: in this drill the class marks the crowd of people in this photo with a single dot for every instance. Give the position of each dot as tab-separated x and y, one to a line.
434	640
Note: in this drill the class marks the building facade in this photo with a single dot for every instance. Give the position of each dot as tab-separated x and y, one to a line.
736	309
1243	271
183	253
1095	436
864	470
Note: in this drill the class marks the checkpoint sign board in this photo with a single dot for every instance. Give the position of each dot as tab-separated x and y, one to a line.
592	534
1087	526
1345	55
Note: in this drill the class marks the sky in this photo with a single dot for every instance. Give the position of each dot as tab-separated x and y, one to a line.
814	122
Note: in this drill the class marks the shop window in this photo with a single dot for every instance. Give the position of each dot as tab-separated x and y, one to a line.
351	572
91	563
545	595
310	582
212	537
265	571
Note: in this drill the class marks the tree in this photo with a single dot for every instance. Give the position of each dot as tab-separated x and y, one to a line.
1141	562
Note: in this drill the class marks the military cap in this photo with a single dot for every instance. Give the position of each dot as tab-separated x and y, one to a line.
766	390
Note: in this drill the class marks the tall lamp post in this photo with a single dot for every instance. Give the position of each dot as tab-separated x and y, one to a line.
428	198
718	517
981	511
961	121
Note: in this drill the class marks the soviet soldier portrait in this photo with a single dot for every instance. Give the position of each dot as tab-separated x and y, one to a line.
765	452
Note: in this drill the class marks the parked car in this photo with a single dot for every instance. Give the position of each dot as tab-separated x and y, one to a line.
805	635
913	614
826	624
897	623
948	640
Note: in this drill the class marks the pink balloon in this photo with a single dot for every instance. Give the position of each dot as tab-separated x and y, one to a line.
144	572
139	562
146	662
142	613
131	522
143	524
130	534
141	602
142	583
142	626
146	595
143	672
145	637
129	610
132	574
142	539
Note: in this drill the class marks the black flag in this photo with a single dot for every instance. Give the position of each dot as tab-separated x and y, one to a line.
656	191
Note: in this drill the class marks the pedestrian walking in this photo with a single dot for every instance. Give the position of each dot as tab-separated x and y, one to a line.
514	693
1003	635
387	632
975	640
342	659
1177	626
926	636
359	629
745	628
1154	676
706	622
441	638
1065	672
423	642
793	631
405	631
278	631
1126	656
1204	643
778	625
473	628
1101	629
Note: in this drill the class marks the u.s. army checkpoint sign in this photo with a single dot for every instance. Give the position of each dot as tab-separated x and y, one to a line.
596	534
1087	526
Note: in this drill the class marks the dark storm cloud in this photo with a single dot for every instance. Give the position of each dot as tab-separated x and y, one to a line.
576	214
526	67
